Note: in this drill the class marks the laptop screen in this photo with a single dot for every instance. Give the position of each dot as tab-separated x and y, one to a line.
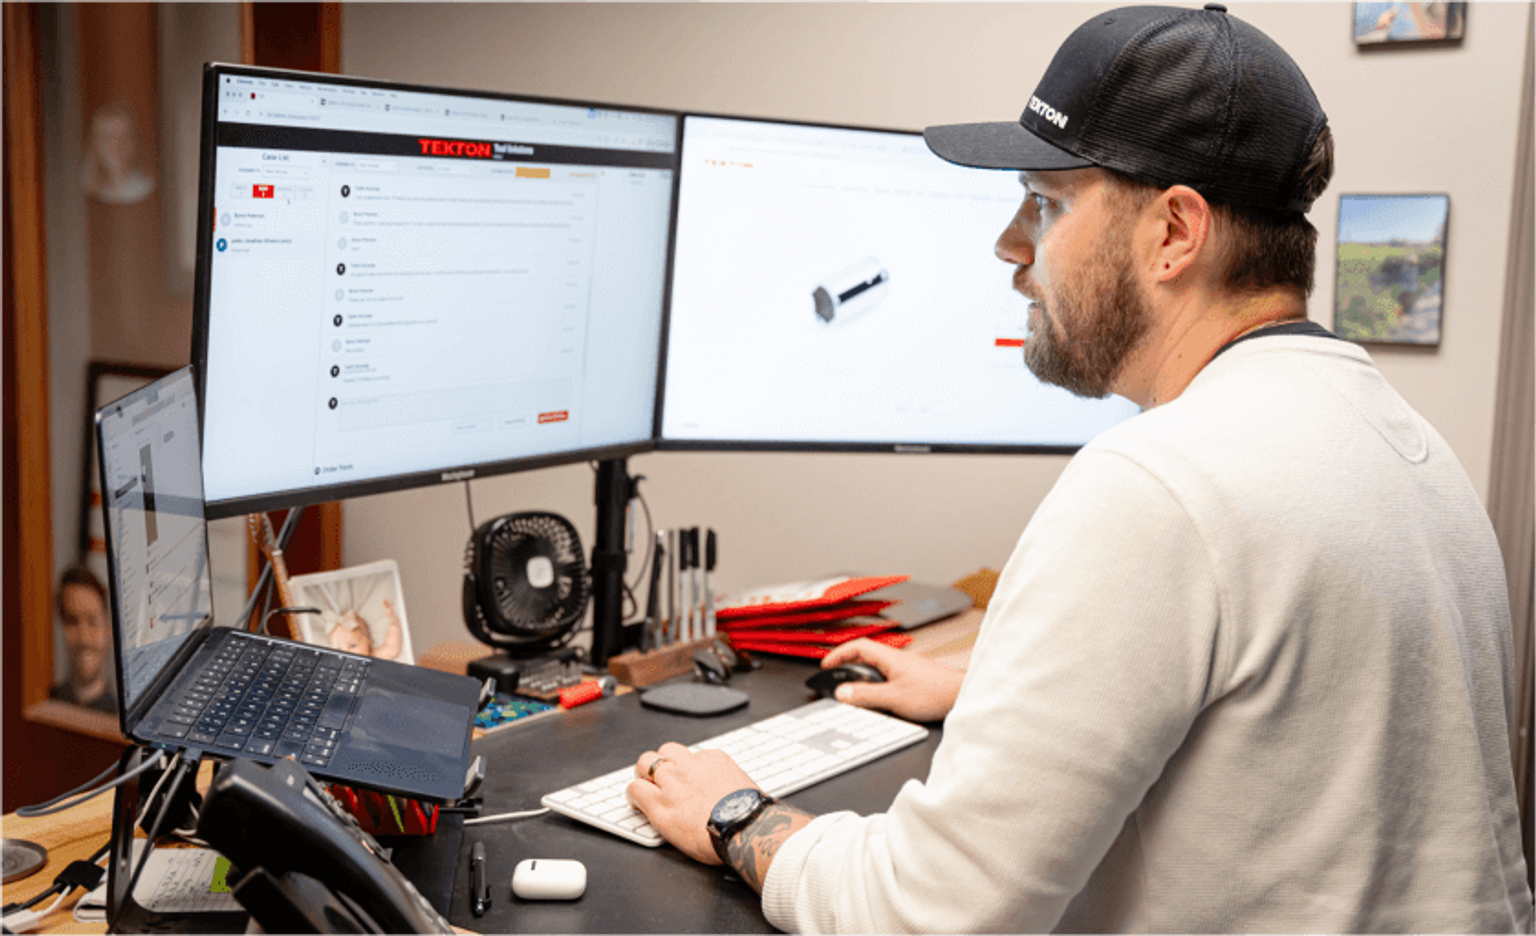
157	540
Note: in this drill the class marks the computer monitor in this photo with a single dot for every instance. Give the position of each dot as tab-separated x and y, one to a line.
402	285
835	288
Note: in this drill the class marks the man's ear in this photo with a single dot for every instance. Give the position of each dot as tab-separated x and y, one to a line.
1184	221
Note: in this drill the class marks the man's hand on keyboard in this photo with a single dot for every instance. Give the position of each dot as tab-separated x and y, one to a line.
678	794
916	688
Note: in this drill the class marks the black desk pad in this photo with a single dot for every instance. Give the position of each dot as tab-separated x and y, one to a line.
631	888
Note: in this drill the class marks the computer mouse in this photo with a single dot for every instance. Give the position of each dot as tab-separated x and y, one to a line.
825	683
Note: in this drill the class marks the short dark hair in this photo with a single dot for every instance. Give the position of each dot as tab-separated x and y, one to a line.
79	575
1265	247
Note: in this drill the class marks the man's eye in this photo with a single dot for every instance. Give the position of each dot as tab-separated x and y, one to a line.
1040	201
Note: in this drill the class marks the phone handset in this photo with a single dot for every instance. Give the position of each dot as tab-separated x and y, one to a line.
300	860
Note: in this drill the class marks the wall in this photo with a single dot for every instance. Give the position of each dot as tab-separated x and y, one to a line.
1436	120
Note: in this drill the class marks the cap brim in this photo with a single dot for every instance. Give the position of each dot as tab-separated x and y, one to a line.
998	146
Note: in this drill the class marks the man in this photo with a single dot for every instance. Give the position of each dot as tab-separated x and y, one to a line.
1249	667
82	607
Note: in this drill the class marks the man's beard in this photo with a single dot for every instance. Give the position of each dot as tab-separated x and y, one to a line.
1099	318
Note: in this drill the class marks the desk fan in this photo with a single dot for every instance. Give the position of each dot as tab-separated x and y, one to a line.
525	590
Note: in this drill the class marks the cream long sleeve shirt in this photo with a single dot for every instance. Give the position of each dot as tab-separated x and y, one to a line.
1248	669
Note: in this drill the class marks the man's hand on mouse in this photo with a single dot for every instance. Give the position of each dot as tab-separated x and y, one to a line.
916	688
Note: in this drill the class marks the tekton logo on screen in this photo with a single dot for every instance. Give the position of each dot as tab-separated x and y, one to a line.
471	149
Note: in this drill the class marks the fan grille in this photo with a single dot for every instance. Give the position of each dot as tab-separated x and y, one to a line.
532	585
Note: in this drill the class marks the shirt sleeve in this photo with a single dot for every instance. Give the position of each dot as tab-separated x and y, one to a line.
1093	661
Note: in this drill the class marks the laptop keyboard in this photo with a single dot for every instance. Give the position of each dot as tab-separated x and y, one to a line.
782	754
267	698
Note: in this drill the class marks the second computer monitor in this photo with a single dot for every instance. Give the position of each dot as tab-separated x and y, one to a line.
835	288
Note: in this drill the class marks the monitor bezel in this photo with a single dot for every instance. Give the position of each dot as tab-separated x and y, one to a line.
902	447
202	289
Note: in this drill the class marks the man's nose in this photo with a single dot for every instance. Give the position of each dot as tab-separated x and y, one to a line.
1014	245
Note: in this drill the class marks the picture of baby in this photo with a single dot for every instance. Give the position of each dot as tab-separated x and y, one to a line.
361	611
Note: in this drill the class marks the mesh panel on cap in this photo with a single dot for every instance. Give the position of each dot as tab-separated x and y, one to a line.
1207	101
1170	86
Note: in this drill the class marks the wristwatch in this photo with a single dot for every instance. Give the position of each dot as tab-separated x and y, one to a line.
735	812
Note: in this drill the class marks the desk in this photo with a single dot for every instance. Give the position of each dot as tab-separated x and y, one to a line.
631	888
69	836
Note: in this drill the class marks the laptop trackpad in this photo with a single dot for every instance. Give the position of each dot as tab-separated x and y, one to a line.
388	719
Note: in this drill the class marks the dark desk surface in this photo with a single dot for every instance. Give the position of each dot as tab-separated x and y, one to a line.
631	888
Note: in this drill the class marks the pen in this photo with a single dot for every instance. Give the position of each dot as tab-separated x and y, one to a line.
709	584
654	631
673	552
479	888
685	574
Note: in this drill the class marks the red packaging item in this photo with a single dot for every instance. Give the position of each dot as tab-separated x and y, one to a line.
799	596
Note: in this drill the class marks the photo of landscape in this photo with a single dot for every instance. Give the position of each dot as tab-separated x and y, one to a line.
1391	268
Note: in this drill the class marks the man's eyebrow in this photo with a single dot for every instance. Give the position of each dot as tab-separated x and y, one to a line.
1034	181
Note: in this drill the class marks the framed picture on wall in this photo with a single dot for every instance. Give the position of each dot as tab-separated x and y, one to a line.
1390	286
1402	23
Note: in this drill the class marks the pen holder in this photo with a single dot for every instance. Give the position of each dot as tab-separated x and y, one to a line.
646	669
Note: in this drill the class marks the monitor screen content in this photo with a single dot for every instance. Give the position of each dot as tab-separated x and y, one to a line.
403	285
154	511
836	288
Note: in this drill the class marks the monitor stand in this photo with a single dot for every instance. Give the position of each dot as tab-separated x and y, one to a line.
614	490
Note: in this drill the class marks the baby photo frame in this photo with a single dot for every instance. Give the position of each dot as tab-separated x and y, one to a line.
362	611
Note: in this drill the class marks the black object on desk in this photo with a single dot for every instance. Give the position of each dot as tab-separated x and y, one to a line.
631	888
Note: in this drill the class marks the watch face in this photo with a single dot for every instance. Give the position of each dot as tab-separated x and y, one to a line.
735	806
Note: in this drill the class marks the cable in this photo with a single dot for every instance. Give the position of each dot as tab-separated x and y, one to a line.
25	919
155	790
73	877
63	796
650	544
470	504
57	804
184	769
507	816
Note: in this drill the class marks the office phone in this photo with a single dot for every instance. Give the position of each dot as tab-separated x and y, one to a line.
300	861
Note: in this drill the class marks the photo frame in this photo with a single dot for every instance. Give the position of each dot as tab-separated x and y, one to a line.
362	610
1397	24
1390	287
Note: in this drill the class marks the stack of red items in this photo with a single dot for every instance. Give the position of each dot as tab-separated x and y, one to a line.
808	619
385	814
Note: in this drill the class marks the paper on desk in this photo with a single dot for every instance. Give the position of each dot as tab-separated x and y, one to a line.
175	880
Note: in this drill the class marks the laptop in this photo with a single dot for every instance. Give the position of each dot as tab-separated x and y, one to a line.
186	682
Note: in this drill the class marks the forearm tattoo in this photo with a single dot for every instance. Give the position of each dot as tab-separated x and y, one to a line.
752	849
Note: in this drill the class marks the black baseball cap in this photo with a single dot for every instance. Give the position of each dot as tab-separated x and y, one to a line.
1167	96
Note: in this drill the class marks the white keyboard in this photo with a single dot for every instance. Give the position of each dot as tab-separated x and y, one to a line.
781	754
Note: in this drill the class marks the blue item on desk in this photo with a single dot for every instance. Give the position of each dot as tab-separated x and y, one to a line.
505	708
825	683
